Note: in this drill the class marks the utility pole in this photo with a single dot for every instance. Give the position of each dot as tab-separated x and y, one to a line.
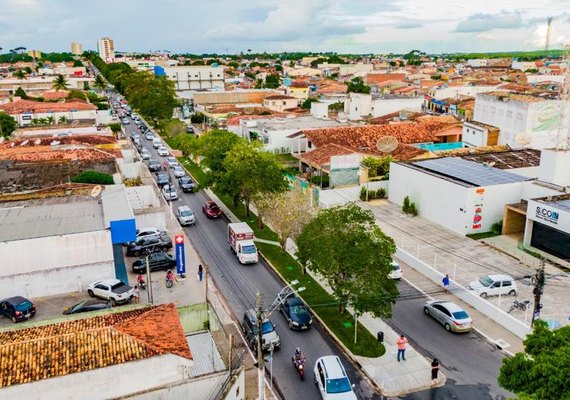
149	283
259	347
537	291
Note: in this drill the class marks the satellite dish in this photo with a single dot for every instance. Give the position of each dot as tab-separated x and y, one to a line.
95	191
522	138
38	141
25	142
75	122
387	144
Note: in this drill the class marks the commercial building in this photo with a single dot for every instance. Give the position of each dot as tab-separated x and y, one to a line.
76	48
280	103
193	77
35	85
106	48
26	111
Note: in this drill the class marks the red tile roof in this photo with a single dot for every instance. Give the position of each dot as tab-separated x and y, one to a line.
36	107
280	97
32	354
374	79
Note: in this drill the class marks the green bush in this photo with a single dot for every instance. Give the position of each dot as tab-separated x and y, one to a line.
406	205
363	193
197	118
413	209
497	228
93	177
380	193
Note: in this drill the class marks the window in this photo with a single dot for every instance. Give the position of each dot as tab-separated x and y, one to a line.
507	283
509	114
519	116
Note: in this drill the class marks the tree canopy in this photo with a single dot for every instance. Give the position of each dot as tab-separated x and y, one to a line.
59	83
541	371
7	124
357	85
249	170
346	247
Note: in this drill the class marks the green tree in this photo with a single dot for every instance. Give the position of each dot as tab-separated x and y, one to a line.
306	105
115	127
272	81
7	124
377	166
77	64
76	94
174	127
541	371
62	119
100	83
21	93
346	247
250	171
20	74
59	83
357	85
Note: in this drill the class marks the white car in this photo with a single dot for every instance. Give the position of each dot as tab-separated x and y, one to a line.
163	151
185	216
172	162
178	172
169	193
494	285
396	272
332	380
145	154
156	143
111	289
126	121
149	135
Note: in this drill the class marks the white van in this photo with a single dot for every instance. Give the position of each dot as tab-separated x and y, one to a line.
156	143
494	285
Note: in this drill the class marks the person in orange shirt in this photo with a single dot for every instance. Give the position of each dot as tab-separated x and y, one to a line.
402	343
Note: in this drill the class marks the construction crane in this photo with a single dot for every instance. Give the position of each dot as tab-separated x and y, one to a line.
548	27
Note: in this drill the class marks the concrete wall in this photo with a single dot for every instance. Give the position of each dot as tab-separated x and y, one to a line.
55	264
157	219
193	317
115	382
496	314
86	115
382	107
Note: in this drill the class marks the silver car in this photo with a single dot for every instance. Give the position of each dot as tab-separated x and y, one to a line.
178	171
169	193
449	314
185	215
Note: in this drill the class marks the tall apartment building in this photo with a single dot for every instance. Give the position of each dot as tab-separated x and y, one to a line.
106	49
76	48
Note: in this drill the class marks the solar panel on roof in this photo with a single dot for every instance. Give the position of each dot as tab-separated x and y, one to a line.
470	171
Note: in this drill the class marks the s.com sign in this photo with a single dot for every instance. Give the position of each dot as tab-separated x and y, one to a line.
547	214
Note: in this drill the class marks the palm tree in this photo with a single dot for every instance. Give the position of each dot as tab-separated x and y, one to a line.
50	120
60	83
62	119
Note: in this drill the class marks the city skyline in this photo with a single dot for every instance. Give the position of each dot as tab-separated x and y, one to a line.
342	26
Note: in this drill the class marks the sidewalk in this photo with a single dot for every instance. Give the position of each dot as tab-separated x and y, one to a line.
466	260
393	377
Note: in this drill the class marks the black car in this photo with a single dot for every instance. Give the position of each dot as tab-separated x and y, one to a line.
186	184
156	262
154	165
296	313
153	243
162	179
17	308
86	306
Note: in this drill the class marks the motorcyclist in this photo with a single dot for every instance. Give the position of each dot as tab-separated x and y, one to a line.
140	280
299	356
169	275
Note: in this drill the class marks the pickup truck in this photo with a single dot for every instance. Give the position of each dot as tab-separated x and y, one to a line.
111	289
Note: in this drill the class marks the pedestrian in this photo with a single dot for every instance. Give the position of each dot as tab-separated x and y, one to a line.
402	342
136	294
434	370
200	272
445	281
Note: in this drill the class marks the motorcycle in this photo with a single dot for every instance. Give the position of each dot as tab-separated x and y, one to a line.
519	305
299	364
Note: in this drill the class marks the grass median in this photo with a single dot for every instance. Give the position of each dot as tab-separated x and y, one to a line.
320	301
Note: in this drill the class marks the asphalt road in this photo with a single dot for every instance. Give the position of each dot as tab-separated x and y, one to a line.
239	285
470	363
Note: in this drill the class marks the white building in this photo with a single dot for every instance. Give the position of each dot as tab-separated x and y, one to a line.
475	194
523	65
275	132
355	69
141	65
194	77
478	62
41	84
359	106
280	102
76	48
523	120
106	49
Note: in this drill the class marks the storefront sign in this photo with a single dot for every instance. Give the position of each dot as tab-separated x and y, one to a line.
180	258
547	214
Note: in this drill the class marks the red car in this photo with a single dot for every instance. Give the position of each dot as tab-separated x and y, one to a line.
211	209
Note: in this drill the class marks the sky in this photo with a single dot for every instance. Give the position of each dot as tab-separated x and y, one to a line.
230	26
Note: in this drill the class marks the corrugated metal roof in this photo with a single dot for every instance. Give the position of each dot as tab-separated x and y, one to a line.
42	220
116	205
207	358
